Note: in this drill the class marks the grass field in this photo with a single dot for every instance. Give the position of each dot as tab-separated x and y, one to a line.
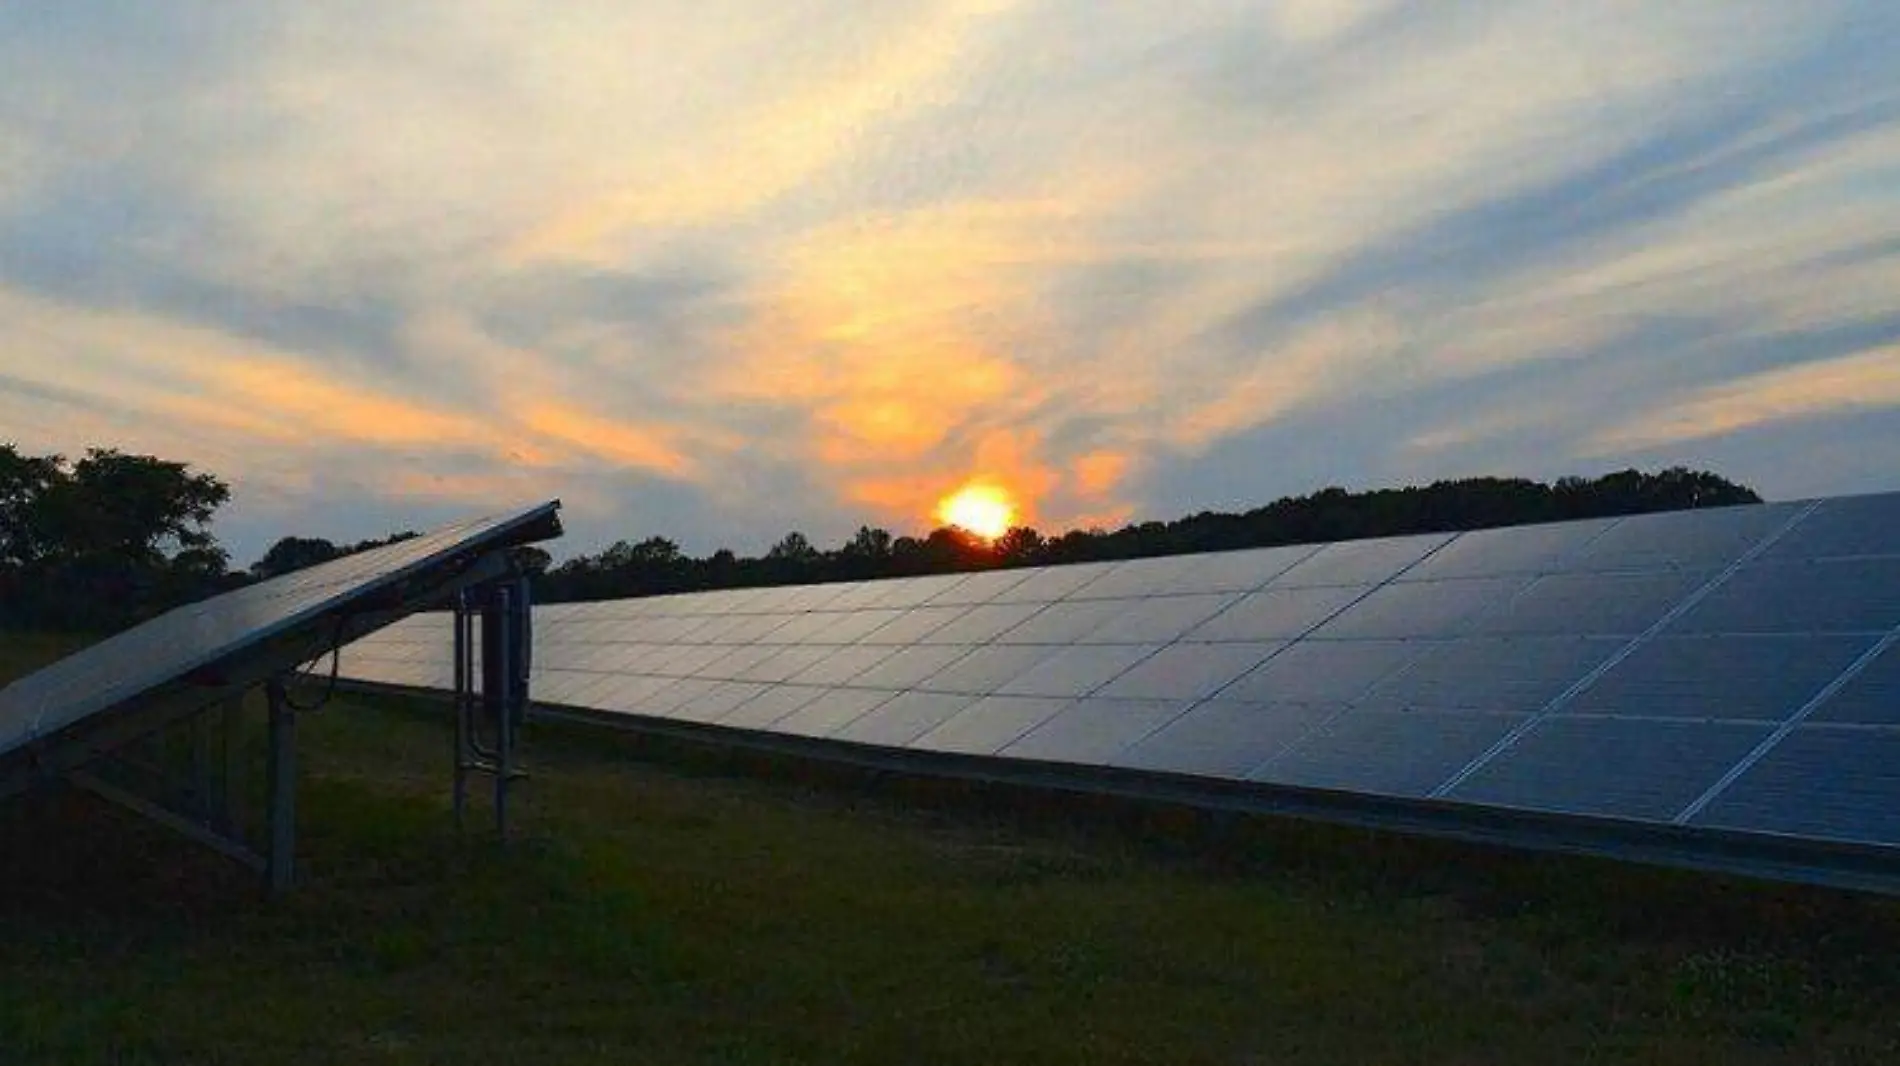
667	904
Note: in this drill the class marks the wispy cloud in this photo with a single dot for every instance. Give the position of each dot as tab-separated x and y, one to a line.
713	269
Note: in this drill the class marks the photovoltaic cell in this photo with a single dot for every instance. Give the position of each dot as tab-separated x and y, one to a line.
1322	671
1495	674
1841	596
1593	605
1763	678
988	725
1820	781
1683	540
1094	730
1077	671
1359	562
1187	671
1394	753
1421	608
831	711
1856	526
1871	698
907	716
1157	619
1635	768
1278	614
986	669
1225	738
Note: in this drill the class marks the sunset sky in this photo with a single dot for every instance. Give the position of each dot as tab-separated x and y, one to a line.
717	270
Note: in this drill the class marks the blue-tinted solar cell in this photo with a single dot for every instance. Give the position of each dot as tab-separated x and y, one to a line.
1241	571
986	726
1820	781
1329	671
1094	730
1277	614
1139	577
1065	623
1872	697
1077	671
986	669
1223	738
1766	678
1522	550
1641	769
977	588
1047	583
906	717
982	623
1854	525
1187	671
1843	596
1505	675
1593	605
1360	562
1421	608
913	591
1684	540
1393	753
1158	619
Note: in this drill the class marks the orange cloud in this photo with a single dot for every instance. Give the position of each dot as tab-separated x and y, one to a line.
625	444
284	391
1097	473
1869	381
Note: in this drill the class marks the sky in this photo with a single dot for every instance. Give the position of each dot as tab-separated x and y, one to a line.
719	270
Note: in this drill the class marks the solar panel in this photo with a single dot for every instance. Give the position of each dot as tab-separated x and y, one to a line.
199	637
1711	688
98	717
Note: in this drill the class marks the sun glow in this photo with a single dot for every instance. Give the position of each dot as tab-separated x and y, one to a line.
984	510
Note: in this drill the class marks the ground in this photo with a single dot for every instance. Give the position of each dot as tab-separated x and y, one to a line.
667	904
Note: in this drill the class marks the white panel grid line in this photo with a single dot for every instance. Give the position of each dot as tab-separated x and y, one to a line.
1774	739
1558	702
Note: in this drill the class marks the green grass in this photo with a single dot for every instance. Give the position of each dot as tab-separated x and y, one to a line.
669	904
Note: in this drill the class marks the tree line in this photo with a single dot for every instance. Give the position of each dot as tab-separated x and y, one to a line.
109	539
657	565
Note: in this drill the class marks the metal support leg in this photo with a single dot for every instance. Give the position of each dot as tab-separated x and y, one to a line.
232	785
464	702
283	791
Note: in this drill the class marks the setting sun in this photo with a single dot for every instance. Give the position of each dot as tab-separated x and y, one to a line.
984	510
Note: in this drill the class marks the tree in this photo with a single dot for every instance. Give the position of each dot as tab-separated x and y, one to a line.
294	553
104	541
794	547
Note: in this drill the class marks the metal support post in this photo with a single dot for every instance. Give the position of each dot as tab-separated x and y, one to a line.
283	790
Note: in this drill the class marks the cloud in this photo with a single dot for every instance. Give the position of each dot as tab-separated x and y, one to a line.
742	267
1867	382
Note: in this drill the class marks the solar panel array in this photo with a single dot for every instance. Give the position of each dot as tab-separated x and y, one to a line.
174	644
1730	668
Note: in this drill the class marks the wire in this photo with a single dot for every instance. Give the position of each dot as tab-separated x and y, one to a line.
336	668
